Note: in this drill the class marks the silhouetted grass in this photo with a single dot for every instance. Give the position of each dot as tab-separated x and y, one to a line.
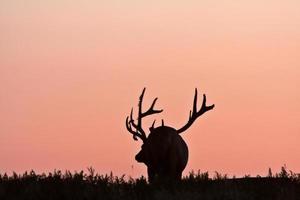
79	185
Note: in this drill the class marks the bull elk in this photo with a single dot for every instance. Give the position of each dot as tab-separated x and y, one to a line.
164	152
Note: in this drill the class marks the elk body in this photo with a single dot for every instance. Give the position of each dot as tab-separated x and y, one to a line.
164	152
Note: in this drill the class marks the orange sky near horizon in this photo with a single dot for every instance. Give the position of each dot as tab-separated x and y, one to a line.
70	71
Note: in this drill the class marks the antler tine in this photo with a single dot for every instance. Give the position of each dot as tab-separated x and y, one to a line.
205	108
140	109
195	114
151	110
132	120
128	126
195	101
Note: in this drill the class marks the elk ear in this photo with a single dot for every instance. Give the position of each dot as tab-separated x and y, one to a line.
152	127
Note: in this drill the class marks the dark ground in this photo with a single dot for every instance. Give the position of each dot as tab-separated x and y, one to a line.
30	186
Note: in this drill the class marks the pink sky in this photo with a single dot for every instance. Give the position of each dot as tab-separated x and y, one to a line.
70	71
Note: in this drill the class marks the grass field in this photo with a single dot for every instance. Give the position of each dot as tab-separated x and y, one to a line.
80	185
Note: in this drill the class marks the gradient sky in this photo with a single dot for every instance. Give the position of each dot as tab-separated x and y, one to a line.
70	71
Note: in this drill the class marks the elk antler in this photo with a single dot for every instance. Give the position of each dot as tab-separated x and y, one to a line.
139	132
195	114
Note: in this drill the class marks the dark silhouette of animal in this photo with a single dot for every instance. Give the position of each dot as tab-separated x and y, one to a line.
164	152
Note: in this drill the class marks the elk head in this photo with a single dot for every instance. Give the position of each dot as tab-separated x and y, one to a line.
164	152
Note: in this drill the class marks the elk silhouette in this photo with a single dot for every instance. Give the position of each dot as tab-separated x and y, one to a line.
164	152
